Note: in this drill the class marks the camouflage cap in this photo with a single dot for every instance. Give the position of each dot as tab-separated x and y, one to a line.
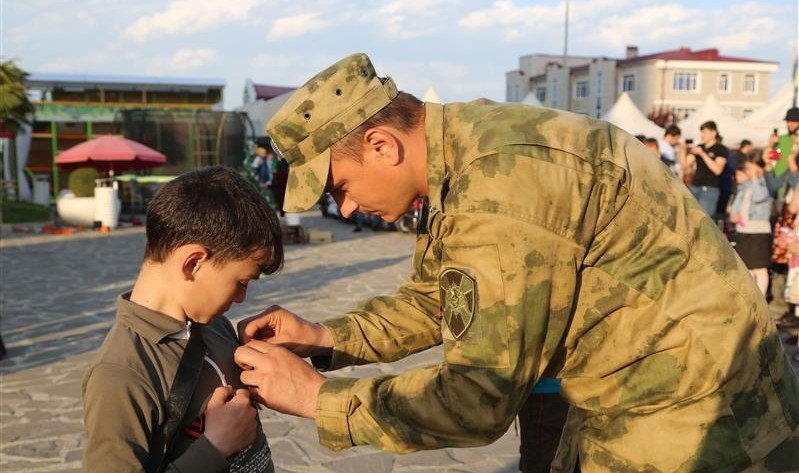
325	109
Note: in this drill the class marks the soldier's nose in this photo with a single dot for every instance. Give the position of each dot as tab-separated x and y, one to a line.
347	208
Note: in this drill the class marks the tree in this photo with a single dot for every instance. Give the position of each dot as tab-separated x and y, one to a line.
663	116
14	104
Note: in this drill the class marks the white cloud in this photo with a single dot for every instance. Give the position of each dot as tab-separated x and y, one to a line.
188	16
663	24
275	61
294	26
753	25
515	22
408	19
90	62
416	76
189	59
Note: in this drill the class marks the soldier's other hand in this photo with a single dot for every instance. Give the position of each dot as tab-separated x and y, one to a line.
282	381
282	327
230	424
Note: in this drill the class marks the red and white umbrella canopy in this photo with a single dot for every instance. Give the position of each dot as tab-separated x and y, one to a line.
110	153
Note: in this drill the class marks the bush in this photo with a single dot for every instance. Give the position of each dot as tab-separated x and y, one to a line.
24	212
81	181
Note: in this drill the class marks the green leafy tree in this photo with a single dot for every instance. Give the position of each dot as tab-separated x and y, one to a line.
14	104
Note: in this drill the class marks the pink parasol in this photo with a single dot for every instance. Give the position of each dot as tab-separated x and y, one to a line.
110	153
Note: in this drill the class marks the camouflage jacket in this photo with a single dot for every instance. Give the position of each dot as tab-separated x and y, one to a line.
557	246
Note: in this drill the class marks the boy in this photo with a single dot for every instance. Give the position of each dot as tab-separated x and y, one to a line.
209	233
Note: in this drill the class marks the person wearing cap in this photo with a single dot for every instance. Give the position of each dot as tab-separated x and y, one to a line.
554	246
784	143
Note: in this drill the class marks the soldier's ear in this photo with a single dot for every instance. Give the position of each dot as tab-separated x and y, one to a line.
382	144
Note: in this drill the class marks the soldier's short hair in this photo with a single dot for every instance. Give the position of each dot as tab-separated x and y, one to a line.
404	113
217	208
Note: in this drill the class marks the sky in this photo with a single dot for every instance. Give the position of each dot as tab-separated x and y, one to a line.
462	48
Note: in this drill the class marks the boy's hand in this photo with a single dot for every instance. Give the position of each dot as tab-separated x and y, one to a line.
230	424
283	381
281	327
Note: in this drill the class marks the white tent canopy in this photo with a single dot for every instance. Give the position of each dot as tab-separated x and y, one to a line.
531	99
730	128
431	96
772	114
625	115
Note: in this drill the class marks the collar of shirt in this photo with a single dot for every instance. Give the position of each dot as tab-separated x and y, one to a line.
150	324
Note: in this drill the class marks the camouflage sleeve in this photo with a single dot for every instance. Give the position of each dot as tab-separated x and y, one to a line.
507	290
385	329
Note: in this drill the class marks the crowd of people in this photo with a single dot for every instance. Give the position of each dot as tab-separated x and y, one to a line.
272	174
750	193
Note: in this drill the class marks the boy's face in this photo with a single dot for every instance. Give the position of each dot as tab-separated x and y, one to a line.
741	176
216	286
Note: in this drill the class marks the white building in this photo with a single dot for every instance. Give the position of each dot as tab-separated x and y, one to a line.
678	81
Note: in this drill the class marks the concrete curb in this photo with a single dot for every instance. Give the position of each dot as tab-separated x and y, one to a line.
39	239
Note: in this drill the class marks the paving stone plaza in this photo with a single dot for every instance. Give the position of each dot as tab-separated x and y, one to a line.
57	304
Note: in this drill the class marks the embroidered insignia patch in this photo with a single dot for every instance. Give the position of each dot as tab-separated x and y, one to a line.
458	293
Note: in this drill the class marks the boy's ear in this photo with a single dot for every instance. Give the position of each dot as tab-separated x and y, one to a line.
192	258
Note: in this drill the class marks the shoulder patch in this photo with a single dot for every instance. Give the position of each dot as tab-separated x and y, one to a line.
458	293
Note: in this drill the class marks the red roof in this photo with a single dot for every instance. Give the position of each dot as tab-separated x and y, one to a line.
685	54
266	92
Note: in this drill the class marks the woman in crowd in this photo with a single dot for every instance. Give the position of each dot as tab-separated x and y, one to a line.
710	158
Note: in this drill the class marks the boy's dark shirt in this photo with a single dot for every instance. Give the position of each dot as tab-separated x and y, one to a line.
126	388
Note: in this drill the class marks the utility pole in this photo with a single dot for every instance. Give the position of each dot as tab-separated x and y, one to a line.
795	73
566	86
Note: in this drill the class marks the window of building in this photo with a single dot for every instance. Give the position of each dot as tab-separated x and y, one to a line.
747	112
598	93
750	84
581	89
724	83
628	83
541	94
685	81
554	95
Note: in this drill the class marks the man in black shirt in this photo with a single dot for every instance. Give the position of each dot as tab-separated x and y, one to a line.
710	158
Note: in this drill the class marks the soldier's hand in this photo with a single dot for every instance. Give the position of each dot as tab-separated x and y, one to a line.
230	424
282	327
282	381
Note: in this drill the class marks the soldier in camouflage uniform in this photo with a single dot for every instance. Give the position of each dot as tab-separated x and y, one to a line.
554	246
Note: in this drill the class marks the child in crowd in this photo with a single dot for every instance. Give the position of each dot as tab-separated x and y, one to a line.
751	210
164	392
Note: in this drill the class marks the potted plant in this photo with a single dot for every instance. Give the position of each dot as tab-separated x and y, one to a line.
76	206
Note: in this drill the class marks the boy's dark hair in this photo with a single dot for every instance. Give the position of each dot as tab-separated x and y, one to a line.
744	143
403	113
755	158
740	165
651	140
217	208
672	130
